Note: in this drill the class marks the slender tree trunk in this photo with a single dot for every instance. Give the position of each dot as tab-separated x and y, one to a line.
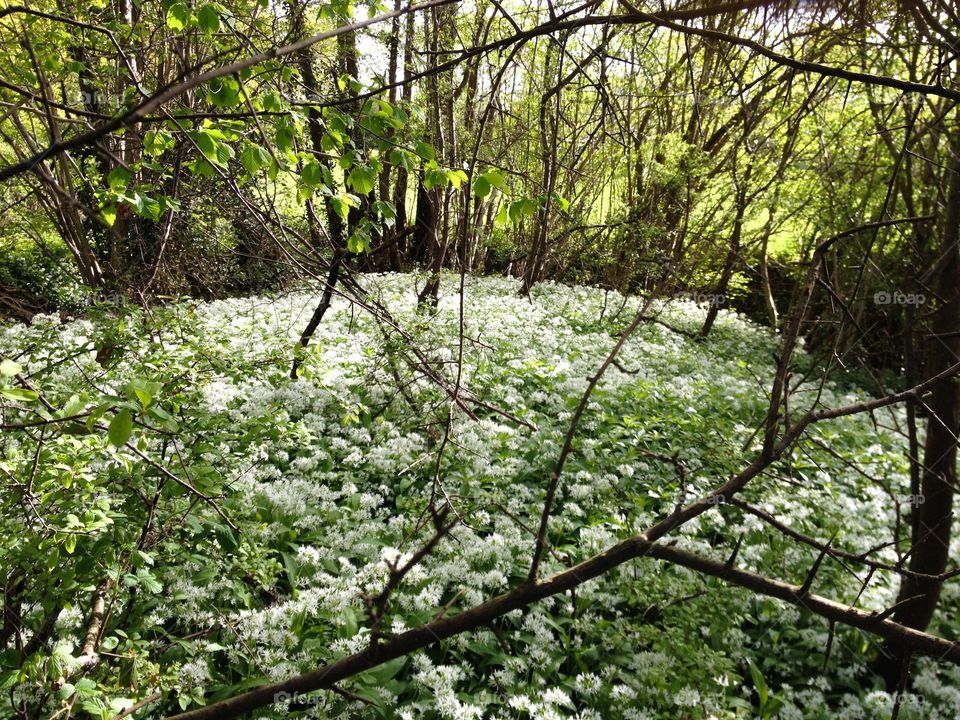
933	514
733	255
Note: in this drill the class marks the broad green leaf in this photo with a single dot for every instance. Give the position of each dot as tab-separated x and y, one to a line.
758	682
358	243
109	214
386	211
494	177
120	429
224	92
254	158
9	368
178	16
340	207
284	138
312	174
361	179
456	177
481	186
18	394
74	406
434	177
208	18
118	178
425	150
156	142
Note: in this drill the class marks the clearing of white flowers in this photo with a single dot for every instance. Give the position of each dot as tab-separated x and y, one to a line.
319	487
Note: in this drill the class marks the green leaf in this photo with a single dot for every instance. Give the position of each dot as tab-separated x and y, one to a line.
202	168
178	16
226	537
516	211
166	419
118	178
109	214
361	179
433	177
73	406
341	207
9	678
425	150
312	174
8	368
494	177
156	142
456	177
358	243
386	211
284	138
224	92
761	685
143	390
481	186
207	145
404	159
208	17
254	158
146	206
18	394
121	427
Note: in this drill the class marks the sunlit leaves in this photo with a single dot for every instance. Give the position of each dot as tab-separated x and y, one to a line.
157	142
425	150
284	135
341	207
118	177
109	214
484	182
211	145
254	158
520	209
143	391
8	369
312	174
362	179
178	16
224	92
271	101
456	178
403	158
386	212
120	428
359	241
481	186
208	18
19	394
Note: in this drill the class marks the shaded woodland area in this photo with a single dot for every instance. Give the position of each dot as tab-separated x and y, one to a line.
787	174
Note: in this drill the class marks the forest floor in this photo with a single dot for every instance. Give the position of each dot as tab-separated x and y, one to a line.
326	478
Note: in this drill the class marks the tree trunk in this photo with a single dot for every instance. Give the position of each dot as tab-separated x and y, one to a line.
933	513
